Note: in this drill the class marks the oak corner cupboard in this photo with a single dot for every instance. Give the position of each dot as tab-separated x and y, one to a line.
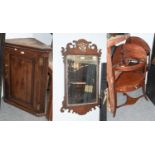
25	74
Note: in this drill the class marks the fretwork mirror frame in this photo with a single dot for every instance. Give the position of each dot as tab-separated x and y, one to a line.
81	49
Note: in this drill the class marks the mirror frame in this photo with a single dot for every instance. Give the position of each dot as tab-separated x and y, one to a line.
80	47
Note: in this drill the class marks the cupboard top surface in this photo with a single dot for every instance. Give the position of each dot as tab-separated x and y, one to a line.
28	42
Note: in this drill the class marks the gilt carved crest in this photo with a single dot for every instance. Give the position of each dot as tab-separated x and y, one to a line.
82	47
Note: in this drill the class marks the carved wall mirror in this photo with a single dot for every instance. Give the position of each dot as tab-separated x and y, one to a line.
81	68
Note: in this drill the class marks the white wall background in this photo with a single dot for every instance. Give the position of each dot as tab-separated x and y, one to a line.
148	37
60	40
43	37
19	35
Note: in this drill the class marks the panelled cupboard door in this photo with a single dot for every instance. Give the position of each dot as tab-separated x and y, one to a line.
19	78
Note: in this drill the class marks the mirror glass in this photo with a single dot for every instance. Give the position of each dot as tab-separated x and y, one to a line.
81	77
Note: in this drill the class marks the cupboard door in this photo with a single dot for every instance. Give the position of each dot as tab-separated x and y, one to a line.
19	78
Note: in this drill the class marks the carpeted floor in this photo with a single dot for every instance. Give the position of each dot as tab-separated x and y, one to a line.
11	113
141	111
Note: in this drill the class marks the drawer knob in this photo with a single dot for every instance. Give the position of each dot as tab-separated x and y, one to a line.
22	52
15	49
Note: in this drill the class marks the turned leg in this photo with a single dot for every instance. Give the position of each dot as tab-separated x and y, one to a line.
114	113
115	106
